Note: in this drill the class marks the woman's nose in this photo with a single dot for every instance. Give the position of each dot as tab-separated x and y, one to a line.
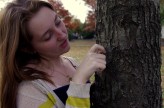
60	34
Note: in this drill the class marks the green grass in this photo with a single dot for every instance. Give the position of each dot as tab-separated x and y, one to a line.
79	48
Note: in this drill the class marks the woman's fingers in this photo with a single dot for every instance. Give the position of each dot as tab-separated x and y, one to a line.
98	56
97	62
100	61
101	67
100	64
97	49
94	61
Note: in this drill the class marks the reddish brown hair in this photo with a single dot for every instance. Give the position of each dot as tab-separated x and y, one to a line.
15	48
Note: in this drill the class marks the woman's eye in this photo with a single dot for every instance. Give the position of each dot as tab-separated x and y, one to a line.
48	37
57	23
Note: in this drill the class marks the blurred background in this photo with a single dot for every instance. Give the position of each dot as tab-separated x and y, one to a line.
79	16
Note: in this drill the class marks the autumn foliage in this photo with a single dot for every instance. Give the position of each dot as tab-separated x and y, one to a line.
63	13
90	20
74	25
68	19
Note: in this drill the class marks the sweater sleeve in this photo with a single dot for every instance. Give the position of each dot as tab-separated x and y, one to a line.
78	96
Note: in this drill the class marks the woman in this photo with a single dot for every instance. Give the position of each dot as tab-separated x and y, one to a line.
34	72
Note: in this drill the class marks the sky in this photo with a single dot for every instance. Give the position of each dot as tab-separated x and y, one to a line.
75	7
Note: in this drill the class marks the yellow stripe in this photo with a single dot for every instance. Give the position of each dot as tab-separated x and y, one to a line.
50	96
78	102
49	103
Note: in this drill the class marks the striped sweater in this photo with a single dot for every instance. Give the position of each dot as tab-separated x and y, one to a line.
38	94
42	94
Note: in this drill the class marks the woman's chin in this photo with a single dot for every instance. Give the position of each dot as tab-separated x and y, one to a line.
67	49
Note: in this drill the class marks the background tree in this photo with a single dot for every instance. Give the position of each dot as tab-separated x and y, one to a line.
71	23
75	24
90	20
130	31
76	28
63	13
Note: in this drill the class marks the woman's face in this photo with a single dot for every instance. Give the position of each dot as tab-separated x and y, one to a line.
50	37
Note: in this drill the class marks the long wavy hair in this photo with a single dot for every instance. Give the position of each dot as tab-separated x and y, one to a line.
16	50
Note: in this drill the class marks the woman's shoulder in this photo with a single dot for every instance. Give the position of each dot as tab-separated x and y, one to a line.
29	96
28	89
32	94
34	86
25	86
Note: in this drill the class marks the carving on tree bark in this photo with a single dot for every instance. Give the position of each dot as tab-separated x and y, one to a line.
130	31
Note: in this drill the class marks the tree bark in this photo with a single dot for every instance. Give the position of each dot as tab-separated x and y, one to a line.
130	31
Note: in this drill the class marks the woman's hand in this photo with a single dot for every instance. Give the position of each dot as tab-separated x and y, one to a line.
94	61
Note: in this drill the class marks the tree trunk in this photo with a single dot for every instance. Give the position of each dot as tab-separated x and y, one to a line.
130	31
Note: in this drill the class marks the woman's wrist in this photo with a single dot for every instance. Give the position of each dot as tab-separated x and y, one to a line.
79	79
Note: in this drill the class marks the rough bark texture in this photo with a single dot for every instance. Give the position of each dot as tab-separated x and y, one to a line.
130	31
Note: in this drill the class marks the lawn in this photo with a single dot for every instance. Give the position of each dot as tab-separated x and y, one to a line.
79	48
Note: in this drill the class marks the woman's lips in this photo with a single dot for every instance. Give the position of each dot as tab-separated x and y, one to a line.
64	44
